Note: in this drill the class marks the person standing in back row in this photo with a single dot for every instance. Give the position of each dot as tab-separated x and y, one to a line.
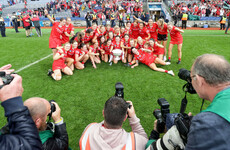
184	20
228	25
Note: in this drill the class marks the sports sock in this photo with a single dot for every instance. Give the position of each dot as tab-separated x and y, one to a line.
166	71
169	58
179	59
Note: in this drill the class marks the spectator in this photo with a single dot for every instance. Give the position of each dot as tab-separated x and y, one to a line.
222	22
22	132
51	140
109	134
15	22
88	20
228	24
2	26
36	22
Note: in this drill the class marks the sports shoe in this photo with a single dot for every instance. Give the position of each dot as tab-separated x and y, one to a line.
167	63
171	72
178	62
50	72
110	63
164	58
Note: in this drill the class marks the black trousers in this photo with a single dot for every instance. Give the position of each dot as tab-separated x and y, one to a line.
16	26
38	31
184	24
222	26
3	30
121	23
95	21
227	27
88	24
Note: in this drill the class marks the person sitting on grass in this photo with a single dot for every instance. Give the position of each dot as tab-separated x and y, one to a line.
148	59
59	63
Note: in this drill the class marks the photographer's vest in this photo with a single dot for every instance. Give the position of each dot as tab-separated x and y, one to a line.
223	21
112	17
84	142
121	17
185	17
128	17
94	17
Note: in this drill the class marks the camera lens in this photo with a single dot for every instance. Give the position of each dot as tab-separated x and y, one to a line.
184	75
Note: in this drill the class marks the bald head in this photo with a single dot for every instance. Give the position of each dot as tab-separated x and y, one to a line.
215	69
38	107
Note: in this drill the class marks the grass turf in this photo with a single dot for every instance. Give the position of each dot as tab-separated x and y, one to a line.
81	97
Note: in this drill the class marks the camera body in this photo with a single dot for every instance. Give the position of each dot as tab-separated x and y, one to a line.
120	93
185	75
6	78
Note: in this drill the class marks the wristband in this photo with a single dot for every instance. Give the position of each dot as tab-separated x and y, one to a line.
59	122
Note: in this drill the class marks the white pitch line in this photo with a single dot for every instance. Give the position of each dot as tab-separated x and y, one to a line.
27	66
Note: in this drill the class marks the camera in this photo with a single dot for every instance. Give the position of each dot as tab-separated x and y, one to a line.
52	109
166	119
185	75
120	93
6	78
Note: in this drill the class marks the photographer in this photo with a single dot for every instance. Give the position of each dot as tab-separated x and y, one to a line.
39	109
109	134
22	132
2	27
209	129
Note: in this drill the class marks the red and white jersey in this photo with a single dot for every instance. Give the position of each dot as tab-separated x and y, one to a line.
62	59
99	35
125	43
175	35
143	33
70	53
107	48
94	50
162	30
87	39
152	30
57	30
143	57
117	45
134	31
139	46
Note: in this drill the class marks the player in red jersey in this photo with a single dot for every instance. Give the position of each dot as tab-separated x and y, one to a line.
56	32
101	45
107	49
101	32
94	54
117	46
116	31
26	23
158	49
68	31
149	60
80	56
125	45
162	35
140	43
122	32
108	29
176	38
89	37
134	30
143	32
59	63
79	37
152	27
110	36
70	60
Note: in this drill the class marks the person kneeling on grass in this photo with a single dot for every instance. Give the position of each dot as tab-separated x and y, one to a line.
94	55
59	63
149	60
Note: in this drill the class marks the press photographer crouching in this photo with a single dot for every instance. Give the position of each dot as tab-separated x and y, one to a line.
53	136
109	134
210	129
21	132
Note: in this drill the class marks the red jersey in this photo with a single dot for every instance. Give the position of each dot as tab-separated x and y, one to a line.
67	29
163	30
145	58
26	24
153	31
123	35
139	46
99	35
134	31
125	43
107	49
87	39
175	35
143	33
111	29
94	50
56	31
116	34
70	53
117	45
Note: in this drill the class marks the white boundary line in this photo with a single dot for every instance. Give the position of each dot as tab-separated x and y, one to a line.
27	66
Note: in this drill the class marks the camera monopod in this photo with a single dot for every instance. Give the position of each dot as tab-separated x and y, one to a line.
183	105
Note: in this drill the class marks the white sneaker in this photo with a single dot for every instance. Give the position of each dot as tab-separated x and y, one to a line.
164	58
110	63
167	63
171	72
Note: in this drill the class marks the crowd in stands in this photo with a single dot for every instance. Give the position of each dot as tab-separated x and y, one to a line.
203	9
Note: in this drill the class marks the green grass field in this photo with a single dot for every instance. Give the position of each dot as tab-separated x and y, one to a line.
81	97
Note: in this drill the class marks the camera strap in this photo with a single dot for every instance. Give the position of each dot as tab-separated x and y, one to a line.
202	105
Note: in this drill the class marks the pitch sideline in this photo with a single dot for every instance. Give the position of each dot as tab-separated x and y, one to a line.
31	64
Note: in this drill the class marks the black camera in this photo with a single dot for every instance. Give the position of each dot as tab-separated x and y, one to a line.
161	114
52	109
6	78
185	75
120	93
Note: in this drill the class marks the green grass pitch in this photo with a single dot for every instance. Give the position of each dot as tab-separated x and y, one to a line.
81	97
